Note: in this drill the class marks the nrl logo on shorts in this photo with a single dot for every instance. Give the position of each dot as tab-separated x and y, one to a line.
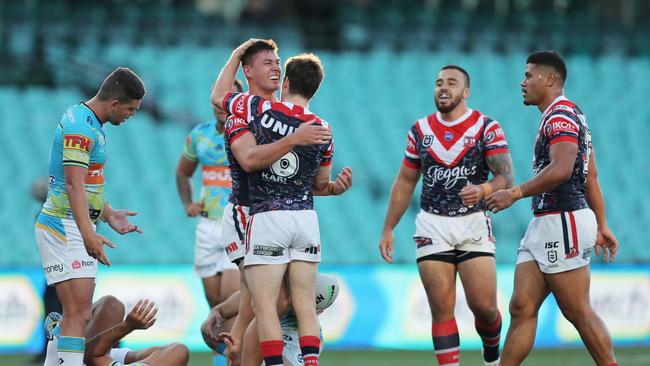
552	256
427	141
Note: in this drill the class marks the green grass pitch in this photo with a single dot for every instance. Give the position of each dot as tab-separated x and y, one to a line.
564	357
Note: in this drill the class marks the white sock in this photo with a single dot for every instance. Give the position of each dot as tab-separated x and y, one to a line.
119	354
51	356
71	351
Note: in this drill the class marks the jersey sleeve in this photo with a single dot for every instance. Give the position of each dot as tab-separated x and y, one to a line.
78	141
495	139
236	127
560	127
244	105
411	155
189	149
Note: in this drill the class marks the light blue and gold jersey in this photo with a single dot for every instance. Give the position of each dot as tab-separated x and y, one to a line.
78	141
205	146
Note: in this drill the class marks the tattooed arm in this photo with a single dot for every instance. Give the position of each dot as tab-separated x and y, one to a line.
503	178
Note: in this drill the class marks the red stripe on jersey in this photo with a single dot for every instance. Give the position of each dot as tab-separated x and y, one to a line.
224	102
564	139
574	231
295	111
326	163
500	150
458	158
410	164
449	135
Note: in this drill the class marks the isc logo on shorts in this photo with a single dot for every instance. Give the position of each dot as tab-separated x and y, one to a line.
313	250
267	250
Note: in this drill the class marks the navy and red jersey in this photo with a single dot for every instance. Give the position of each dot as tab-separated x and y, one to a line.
451	155
563	121
287	184
235	127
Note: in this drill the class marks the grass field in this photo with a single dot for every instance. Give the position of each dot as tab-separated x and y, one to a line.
563	357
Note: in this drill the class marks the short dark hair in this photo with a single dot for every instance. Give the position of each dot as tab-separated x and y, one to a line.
549	58
123	85
257	47
305	73
238	85
456	67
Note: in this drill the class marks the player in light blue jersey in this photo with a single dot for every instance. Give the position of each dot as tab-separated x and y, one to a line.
204	146
65	232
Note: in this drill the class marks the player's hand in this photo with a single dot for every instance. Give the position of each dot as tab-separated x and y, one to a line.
606	243
214	326
194	209
94	244
142	316
499	200
386	246
119	221
310	134
234	348
343	181
239	51
471	195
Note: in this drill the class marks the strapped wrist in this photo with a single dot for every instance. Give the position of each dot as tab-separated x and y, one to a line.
515	192
487	189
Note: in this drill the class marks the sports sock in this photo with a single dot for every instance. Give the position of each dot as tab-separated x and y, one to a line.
272	352
71	350
310	347
490	335
219	360
446	342
51	356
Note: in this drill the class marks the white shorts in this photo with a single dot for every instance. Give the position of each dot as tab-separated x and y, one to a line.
277	237
469	233
559	242
63	253
233	228
210	255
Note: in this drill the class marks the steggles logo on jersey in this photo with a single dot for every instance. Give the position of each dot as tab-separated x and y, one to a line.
449	178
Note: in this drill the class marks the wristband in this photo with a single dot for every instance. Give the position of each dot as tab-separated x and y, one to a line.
515	192
487	189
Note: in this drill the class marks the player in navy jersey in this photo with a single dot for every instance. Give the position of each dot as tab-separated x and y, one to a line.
554	254
260	64
454	150
283	234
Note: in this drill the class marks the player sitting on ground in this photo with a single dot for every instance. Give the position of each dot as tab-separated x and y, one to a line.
107	325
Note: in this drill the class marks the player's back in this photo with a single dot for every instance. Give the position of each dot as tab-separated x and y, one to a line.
78	141
287	184
563	121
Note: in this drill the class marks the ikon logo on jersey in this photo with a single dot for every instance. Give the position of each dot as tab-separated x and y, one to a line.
95	174
217	176
77	142
558	125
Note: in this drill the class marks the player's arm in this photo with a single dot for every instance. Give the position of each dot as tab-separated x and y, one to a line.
184	172
253	157
503	177
323	186
142	316
606	241
228	74
400	197
75	177
562	155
